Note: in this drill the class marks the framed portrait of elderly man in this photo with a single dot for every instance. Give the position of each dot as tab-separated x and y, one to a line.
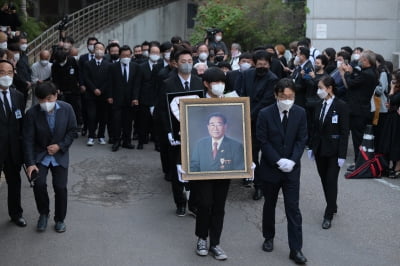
215	138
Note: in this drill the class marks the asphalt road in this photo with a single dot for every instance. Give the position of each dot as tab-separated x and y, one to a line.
121	212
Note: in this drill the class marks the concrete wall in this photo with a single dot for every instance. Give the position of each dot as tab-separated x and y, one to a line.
155	24
370	24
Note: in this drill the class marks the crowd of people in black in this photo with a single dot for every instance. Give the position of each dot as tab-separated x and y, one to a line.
120	92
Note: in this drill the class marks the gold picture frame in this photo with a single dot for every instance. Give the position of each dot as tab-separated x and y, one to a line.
233	159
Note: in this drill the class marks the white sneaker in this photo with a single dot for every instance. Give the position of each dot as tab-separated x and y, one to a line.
201	248
218	253
90	142
102	141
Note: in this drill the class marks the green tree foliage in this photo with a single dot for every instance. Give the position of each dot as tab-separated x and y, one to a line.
252	23
32	27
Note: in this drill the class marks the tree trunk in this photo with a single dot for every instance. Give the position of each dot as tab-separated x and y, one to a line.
23	10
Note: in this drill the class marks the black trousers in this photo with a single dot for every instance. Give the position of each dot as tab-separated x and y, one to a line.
357	128
211	197
84	111
75	101
109	119
290	191
162	136
145	123
256	148
122	121
13	178
96	111
60	178
328	170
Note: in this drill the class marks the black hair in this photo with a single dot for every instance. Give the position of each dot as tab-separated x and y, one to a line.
14	47
224	64
7	62
69	39
304	51
283	84
124	48
45	89
165	46
331	53
217	114
345	55
246	56
214	74
347	49
176	39
323	58
2	52
91	39
303	43
359	49
261	55
180	52
154	43
329	81
60	56
112	45
100	44
145	43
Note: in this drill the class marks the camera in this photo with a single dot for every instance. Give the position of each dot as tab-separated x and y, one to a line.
211	33
64	24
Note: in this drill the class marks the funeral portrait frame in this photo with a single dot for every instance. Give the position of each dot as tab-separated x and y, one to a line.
194	115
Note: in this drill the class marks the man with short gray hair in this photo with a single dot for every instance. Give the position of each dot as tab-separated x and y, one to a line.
236	51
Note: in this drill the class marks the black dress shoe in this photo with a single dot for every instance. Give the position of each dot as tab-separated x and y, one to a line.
60	227
351	168
157	148
181	211
193	211
129	146
327	223
19	221
257	194
268	245
297	256
42	222
115	146
140	146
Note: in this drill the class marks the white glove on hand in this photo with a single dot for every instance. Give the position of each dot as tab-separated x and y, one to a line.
253	167
151	110
310	155
180	172
172	141
286	165
340	162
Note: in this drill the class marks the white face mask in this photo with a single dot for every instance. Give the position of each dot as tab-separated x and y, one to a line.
3	45
76	57
339	63
44	62
355	57
3	28
203	56
99	53
154	57
16	57
244	66
167	56
285	104
23	47
322	93
90	48
48	106
6	81
218	38
125	60
296	60
185	68
145	53
218	89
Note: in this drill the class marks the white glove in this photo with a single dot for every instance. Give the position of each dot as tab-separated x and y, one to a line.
180	172
151	110
172	141
310	155
253	167
286	165
340	162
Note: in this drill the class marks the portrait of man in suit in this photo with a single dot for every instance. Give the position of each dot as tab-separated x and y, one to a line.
217	151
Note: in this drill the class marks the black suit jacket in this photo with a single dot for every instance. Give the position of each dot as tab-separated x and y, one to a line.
148	84
233	81
37	134
81	63
275	144
330	138
259	89
174	84
304	84
97	77
123	92
11	129
230	156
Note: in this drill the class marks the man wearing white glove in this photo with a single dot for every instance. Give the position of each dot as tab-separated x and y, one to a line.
282	132
329	143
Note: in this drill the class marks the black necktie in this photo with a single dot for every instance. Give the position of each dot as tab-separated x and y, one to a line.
321	116
91	57
6	103
98	63
187	85
284	120
125	73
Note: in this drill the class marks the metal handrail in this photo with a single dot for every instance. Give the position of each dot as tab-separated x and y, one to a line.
90	19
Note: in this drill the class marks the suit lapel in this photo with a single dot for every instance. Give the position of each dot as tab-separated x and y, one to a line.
329	113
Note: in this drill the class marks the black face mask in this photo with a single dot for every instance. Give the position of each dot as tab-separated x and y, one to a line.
317	68
219	58
138	56
114	56
261	71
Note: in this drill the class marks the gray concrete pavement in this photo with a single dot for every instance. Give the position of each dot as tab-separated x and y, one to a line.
121	212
